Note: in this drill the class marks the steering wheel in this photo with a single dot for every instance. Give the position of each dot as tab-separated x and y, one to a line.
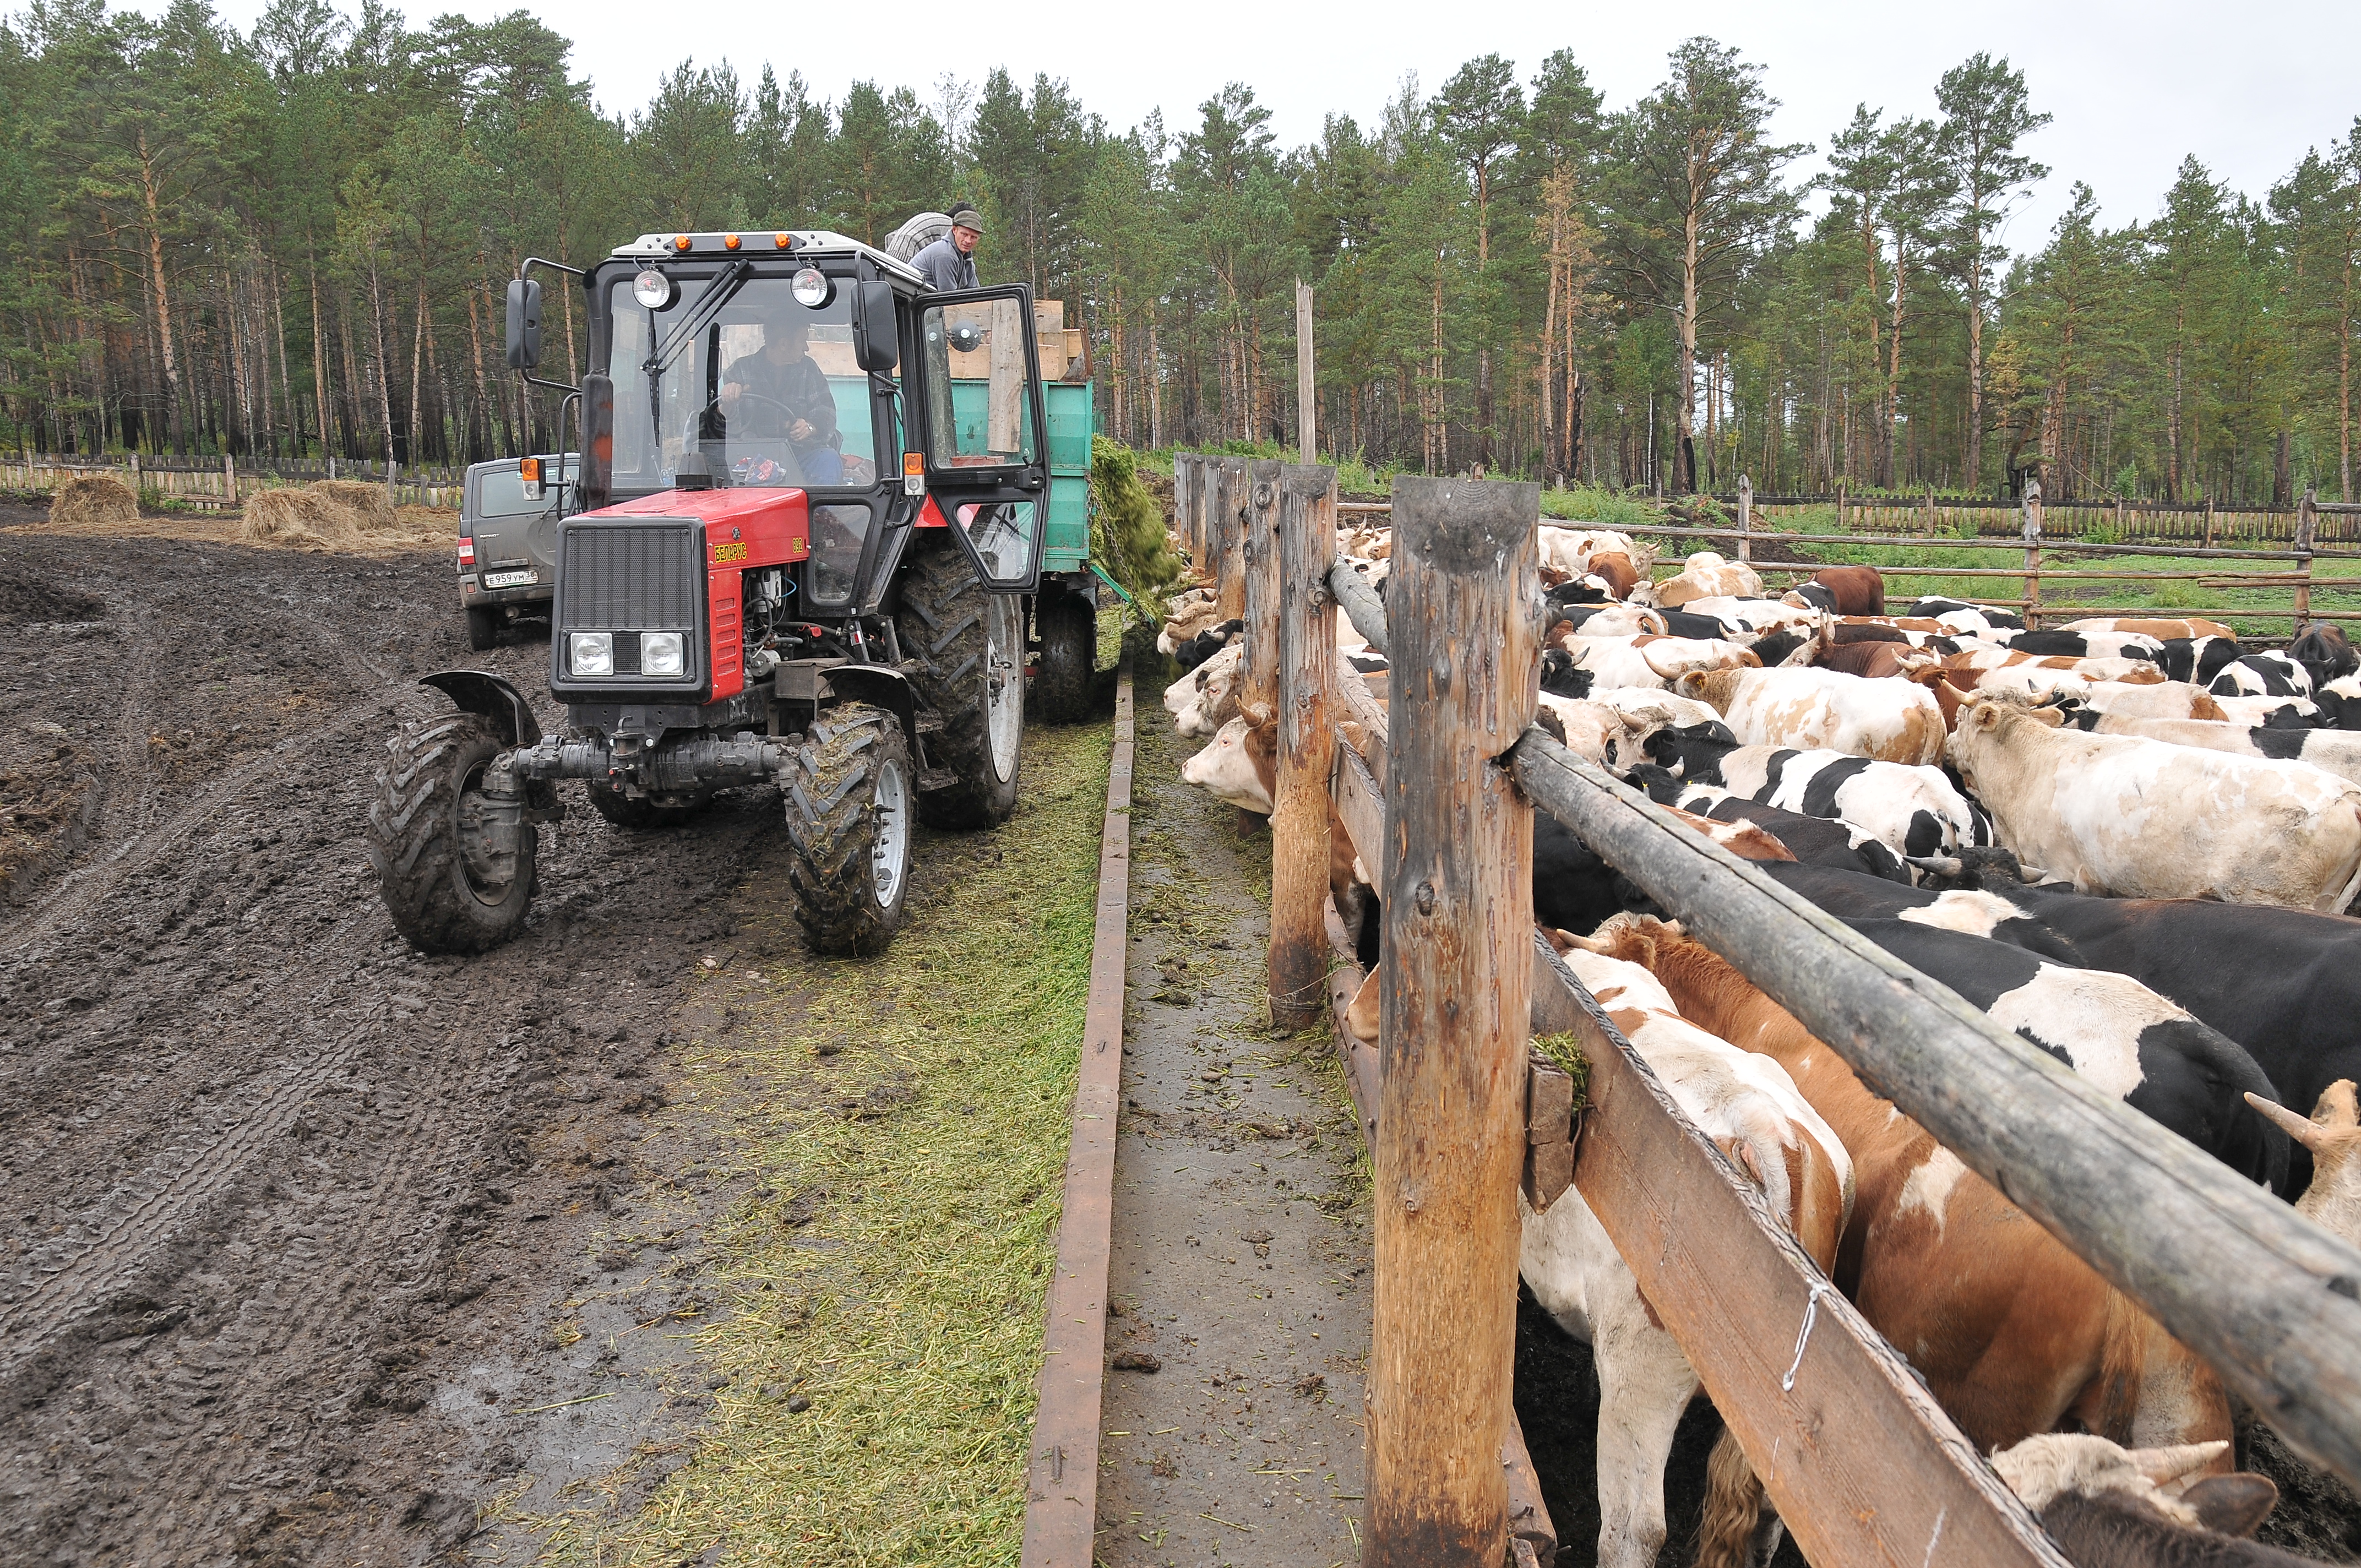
787	415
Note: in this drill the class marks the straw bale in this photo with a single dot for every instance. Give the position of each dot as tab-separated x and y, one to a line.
87	500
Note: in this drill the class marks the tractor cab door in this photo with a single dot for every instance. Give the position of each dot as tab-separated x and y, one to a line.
981	437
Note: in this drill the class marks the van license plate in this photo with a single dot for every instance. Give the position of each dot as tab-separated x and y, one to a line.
510	579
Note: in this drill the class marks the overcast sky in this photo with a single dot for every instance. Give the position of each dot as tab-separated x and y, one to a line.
2135	87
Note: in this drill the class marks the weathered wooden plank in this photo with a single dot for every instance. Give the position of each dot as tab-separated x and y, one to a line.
1258	685
1061	1485
1228	542
2271	1301
1864	1465
1360	804
1304	544
1453	1001
1358	1056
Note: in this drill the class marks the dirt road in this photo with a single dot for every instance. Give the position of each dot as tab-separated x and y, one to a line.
275	1178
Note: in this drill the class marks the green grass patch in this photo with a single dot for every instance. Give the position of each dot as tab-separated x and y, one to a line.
1565	1052
930	1151
2220	603
1603	506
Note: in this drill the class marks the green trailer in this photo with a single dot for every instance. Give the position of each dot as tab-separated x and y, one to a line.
1065	609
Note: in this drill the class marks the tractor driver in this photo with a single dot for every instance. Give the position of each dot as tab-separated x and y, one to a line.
789	397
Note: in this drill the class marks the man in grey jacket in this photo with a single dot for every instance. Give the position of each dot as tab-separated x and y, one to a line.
949	262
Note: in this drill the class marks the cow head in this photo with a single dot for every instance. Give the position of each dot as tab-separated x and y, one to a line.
2333	1137
1692	751
2143	1484
2325	653
1561	677
1810	595
1239	766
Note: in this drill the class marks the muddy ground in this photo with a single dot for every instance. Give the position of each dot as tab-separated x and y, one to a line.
277	1182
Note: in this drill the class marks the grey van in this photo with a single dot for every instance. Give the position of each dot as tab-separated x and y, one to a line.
508	541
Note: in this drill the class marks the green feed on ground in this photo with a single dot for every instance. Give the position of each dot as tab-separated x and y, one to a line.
909	1311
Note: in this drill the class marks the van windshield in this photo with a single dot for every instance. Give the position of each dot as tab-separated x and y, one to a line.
766	394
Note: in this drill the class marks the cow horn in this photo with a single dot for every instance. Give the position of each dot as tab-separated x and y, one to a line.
2302	1129
1941	865
2164	1465
2032	874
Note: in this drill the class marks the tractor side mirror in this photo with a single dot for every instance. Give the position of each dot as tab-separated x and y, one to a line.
876	342
524	323
598	465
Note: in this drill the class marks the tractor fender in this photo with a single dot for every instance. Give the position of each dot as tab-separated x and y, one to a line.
481	692
887	688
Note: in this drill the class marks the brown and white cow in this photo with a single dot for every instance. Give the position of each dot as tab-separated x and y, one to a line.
2014	1333
2140	818
2162	630
2333	1137
1892	721
1706	576
1847	590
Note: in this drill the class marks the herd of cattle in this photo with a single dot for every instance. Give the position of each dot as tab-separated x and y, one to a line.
2132	841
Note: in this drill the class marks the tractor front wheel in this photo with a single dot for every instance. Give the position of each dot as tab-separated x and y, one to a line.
851	788
454	877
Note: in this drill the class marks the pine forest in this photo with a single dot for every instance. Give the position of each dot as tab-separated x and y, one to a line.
293	243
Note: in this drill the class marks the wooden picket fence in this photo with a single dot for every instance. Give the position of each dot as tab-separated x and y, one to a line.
2106	519
1434	787
221	483
2043	554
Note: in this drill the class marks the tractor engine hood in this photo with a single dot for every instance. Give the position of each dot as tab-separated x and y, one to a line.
647	607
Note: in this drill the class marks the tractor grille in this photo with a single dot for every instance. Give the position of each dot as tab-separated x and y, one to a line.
640	575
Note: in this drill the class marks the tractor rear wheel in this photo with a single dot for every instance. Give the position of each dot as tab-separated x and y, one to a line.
970	646
449	879
850	791
1069	631
627	812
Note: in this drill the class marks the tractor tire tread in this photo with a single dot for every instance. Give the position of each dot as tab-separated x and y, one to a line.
831	830
412	839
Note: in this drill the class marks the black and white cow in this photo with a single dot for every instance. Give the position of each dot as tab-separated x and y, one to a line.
2262	674
2284	983
2061	642
1934	608
2198	660
1814	840
1912	810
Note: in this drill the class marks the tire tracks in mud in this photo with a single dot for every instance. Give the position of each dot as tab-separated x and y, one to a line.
271	1171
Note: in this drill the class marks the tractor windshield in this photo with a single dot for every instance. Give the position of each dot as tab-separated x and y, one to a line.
766	393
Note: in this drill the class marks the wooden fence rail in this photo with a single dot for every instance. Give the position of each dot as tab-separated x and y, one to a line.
222	483
2031	540
1861	1462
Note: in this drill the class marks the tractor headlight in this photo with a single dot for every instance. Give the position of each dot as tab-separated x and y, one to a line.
812	287
590	653
663	653
653	291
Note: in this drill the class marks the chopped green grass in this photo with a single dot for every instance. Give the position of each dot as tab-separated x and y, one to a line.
908	1312
1566	1052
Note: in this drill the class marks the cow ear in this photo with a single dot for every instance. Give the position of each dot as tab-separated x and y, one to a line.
2234	1505
2048	716
2337	1107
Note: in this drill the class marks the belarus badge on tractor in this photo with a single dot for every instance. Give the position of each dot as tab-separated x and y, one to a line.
812	496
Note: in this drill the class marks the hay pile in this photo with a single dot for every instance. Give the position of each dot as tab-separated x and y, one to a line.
345	515
93	500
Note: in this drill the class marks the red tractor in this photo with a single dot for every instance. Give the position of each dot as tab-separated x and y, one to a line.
805	512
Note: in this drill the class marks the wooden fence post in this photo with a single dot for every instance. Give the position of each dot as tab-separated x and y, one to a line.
2307	521
1745	518
1258	562
1930	511
2033	554
229	479
1305	540
2209	522
1307	379
1181	477
1228	534
1455	1017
